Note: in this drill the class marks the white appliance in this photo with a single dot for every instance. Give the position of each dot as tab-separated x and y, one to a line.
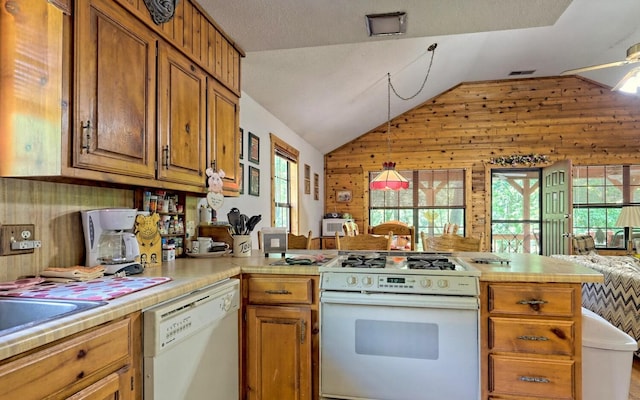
399	327
109	240
191	346
332	225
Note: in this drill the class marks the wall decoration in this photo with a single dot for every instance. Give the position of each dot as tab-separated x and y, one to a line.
254	181
307	179
241	144
161	11
241	179
254	148
344	196
519	159
316	187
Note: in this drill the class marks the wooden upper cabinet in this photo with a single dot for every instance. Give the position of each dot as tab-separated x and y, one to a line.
115	75
224	126
182	97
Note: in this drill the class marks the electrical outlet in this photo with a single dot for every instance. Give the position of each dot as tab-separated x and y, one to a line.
17	239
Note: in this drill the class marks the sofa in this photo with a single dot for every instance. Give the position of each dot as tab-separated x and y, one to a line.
617	299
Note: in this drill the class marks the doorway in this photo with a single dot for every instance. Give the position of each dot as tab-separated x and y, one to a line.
515	210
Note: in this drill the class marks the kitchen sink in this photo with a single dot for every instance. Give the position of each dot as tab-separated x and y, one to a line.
21	313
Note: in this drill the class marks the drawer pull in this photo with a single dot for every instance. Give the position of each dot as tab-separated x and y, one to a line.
277	292
533	304
534	379
533	338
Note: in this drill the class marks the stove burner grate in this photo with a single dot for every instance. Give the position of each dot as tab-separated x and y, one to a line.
363	261
430	262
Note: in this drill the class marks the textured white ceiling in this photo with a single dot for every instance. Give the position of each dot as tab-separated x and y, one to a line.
311	64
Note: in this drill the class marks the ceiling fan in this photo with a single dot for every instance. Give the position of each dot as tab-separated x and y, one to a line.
633	56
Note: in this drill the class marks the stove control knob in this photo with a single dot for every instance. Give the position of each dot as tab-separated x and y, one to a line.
351	280
426	283
443	283
367	281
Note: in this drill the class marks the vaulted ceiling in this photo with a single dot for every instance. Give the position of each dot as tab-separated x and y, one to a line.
312	64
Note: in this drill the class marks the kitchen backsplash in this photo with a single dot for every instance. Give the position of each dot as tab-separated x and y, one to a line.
54	209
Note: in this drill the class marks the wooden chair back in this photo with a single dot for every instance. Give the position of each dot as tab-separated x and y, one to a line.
451	243
350	229
364	241
399	230
299	241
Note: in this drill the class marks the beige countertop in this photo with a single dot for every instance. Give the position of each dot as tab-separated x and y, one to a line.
189	274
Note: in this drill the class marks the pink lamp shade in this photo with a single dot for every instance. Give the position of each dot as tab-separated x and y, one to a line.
389	179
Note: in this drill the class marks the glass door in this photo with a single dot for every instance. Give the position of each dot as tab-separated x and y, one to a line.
515	210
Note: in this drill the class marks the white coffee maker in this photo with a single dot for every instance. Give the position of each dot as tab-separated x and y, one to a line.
109	240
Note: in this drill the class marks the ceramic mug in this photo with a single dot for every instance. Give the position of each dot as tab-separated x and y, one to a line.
205	244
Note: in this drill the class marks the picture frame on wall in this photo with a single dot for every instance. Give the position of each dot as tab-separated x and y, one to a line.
241	152
254	181
344	196
307	179
316	187
241	179
254	148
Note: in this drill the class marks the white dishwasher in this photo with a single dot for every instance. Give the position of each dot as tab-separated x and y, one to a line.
191	346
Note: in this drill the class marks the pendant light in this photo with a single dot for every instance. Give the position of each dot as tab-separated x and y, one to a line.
389	178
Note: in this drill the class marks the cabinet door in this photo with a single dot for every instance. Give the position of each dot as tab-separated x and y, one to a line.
115	386
223	135
182	87
278	340
115	70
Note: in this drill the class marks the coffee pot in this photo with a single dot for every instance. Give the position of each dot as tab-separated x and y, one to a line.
110	241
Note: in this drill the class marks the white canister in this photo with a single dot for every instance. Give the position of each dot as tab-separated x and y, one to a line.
242	245
206	215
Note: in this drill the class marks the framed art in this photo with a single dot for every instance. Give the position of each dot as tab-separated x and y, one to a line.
241	179
254	148
241	152
254	181
343	196
307	179
316	187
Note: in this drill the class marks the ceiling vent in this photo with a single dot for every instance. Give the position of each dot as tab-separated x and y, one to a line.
394	23
526	72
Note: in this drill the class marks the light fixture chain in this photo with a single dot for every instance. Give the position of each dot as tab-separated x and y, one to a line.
431	49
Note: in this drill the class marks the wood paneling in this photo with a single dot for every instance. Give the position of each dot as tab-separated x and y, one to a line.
464	127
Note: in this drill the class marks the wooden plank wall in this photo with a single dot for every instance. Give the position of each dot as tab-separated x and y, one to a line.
560	117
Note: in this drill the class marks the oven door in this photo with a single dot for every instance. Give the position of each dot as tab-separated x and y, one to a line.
398	347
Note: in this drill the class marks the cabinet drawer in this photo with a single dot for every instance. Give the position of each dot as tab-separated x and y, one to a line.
552	379
67	363
280	290
532	300
532	336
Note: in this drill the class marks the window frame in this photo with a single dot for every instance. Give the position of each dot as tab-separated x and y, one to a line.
281	148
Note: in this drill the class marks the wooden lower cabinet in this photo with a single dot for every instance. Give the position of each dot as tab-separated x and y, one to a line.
98	364
531	341
281	337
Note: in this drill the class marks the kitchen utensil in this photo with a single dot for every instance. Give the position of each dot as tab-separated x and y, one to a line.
253	221
233	216
242	224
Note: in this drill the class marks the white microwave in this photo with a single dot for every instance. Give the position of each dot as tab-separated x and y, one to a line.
332	225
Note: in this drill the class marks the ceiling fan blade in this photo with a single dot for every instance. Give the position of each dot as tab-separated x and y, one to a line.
627	76
599	66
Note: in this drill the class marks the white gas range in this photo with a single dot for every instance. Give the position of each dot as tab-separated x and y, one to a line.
399	326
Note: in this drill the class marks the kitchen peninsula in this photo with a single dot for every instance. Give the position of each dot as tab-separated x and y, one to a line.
533	274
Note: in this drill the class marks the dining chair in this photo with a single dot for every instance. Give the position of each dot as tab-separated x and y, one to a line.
364	241
450	242
401	232
350	228
299	241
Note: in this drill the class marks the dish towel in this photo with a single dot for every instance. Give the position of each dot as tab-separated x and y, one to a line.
69	274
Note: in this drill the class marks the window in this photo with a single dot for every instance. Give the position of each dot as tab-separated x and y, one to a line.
284	186
599	192
434	198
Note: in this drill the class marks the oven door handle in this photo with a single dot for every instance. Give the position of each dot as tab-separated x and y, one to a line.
400	300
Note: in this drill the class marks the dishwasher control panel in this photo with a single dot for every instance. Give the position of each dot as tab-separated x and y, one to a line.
171	322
